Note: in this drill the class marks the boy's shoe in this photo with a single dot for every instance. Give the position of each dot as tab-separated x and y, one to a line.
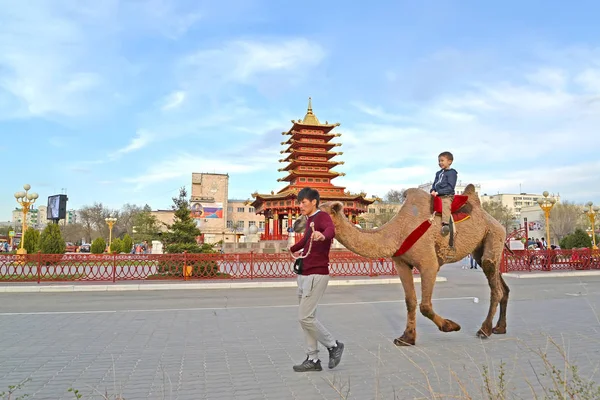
308	365
335	354
445	229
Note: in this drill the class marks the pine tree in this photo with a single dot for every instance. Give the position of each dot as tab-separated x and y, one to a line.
182	234
127	244
31	240
98	246
51	240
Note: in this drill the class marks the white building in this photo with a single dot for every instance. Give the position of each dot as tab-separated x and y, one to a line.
517	202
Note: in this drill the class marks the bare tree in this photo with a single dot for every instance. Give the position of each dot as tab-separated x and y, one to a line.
565	217
502	214
395	196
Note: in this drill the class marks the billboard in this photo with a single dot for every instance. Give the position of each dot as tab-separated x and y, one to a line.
207	210
57	207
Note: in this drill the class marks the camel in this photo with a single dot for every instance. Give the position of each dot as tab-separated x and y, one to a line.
480	235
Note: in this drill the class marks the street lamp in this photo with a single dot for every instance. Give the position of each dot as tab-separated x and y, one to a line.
546	204
110	221
26	200
591	213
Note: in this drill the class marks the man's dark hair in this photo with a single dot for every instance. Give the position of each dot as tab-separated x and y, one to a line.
310	194
447	154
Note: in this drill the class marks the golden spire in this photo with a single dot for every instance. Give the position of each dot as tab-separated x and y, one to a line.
310	118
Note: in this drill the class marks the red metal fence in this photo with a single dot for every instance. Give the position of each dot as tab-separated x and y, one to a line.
551	260
121	267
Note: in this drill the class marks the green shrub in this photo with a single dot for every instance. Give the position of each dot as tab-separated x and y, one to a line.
116	246
31	240
98	246
127	244
51	240
577	239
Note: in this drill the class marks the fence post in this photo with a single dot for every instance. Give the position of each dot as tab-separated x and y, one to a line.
39	267
185	273
114	271
251	265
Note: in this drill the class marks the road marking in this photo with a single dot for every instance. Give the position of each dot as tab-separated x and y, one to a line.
474	299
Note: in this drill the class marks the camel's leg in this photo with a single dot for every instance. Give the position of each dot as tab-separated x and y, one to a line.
500	327
490	263
428	276
410	333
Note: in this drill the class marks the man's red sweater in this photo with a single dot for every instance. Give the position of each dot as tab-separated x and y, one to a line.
317	262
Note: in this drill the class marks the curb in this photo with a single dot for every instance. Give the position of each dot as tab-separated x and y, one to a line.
566	274
191	286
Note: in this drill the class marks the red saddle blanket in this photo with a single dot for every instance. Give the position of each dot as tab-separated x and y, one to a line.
457	203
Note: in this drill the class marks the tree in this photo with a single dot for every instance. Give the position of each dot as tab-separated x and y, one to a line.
147	227
51	240
31	240
502	214
98	246
127	244
576	240
74	232
183	231
565	218
116	246
93	220
395	196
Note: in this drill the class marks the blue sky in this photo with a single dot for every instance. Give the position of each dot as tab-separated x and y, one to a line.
120	101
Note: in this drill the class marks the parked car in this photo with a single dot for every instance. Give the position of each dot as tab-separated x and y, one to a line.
85	248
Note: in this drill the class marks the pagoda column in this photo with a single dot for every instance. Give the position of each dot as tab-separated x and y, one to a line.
275	224
290	218
267	227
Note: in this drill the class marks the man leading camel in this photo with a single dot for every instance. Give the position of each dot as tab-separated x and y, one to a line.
313	280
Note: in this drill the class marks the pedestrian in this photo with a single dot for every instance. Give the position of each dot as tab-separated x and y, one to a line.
313	279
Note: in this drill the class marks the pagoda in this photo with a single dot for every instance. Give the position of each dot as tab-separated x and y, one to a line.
309	158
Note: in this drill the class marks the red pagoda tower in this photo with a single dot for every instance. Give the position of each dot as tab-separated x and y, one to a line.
309	162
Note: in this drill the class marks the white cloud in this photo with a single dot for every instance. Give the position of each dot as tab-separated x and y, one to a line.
246	61
536	130
142	139
183	164
173	100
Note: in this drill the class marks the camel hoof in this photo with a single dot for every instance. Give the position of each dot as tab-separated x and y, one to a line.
482	334
499	330
450	326
404	341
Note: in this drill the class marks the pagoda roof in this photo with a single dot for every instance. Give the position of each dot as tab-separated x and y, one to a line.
311	134
298	152
292	193
296	144
320	174
293	163
311	121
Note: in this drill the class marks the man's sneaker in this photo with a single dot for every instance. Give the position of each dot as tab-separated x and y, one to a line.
308	365
335	354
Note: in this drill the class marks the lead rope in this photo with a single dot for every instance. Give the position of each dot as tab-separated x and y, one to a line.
312	228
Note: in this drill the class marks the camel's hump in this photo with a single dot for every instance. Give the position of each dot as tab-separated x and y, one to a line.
470	191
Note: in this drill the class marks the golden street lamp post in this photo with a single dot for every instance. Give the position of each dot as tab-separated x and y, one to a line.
26	200
110	221
546	204
591	213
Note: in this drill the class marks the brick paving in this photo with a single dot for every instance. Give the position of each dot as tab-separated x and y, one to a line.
169	345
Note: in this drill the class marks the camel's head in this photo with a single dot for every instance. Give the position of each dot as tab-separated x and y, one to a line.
333	208
300	224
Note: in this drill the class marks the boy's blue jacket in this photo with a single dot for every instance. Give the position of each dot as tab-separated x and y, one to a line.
445	181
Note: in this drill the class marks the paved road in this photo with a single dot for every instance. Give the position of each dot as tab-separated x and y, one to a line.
241	344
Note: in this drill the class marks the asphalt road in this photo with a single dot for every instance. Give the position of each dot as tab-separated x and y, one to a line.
241	344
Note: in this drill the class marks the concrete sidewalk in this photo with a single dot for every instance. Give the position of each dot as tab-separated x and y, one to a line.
551	274
46	287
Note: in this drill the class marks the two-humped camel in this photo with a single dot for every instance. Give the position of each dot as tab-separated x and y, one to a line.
480	235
